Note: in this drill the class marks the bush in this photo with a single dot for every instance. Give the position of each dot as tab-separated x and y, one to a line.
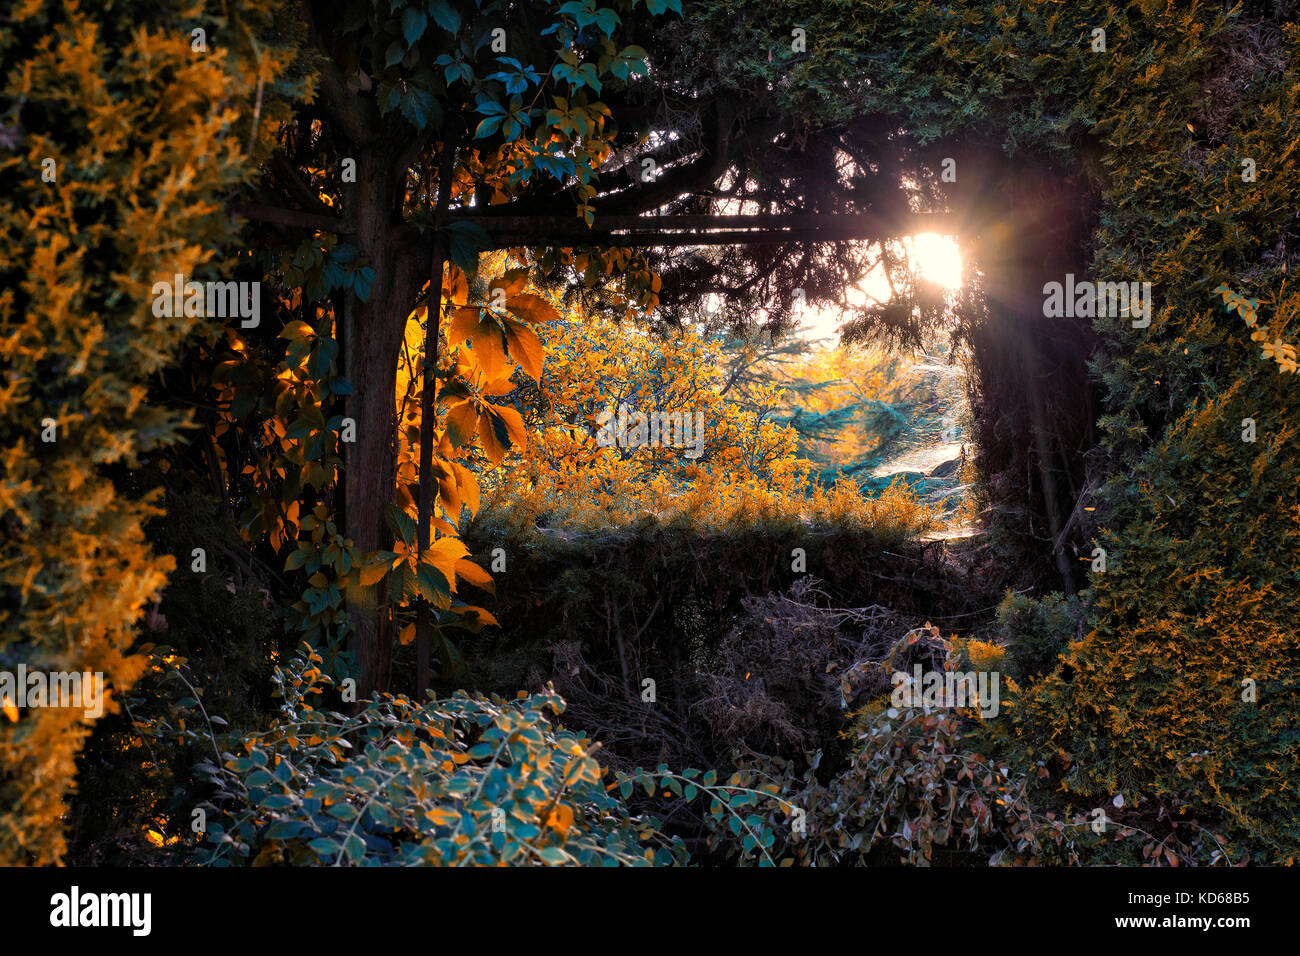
914	793
918	789
131	201
466	780
1035	631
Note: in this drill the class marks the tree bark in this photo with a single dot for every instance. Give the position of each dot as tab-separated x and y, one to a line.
374	335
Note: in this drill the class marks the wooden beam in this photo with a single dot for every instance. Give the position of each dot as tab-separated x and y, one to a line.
672	231
695	230
286	217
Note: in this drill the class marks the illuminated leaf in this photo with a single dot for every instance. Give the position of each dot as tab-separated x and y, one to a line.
462	421
532	308
514	425
525	348
469	571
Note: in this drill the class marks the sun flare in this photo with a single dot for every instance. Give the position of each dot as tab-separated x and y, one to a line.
936	258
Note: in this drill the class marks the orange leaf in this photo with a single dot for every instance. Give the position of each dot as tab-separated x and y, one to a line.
463	324
469	571
373	573
489	349
525	348
532	308
514	424
468	486
494	443
561	818
443	555
461	422
512	281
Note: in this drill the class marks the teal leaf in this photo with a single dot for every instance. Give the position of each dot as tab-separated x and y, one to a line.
413	23
445	16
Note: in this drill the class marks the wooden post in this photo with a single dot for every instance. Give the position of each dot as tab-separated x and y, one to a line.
428	411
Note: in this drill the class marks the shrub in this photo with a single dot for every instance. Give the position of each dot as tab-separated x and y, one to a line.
1036	630
918	788
145	140
465	780
914	793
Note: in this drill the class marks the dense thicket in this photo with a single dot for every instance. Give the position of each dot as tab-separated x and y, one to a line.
121	139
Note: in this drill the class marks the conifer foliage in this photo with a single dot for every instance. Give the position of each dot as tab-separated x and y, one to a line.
122	132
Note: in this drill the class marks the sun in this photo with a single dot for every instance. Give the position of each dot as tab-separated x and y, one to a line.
935	258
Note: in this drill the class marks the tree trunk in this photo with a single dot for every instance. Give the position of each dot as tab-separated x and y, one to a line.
374	336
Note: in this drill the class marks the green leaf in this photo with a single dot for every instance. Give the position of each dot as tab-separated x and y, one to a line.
259	778
488	127
400	523
354	848
324	847
420	108
445	16
297	330
342	811
413	23
465	240
453	662
432	585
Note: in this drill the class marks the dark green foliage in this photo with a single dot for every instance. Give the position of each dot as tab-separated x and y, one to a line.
1036	631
